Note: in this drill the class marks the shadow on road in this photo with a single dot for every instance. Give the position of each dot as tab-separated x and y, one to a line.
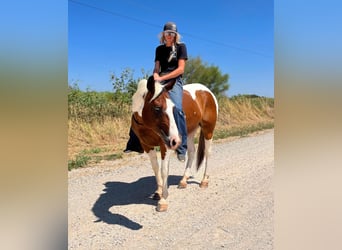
122	193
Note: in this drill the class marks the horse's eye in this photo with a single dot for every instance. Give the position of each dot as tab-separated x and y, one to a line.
157	109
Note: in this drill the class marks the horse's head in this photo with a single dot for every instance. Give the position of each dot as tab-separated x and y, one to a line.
158	113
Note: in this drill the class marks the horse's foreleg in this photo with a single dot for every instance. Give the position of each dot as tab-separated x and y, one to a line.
156	169
163	204
191	156
205	180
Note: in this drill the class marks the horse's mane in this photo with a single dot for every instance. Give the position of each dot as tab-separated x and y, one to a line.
138	97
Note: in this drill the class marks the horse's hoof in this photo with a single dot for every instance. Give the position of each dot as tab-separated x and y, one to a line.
183	182
161	207
182	185
156	197
203	184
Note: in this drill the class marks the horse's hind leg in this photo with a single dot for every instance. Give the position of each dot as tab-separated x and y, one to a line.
205	180
191	156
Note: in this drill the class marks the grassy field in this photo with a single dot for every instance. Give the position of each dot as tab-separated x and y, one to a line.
98	129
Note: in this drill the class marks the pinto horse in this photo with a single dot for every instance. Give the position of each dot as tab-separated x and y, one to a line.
154	124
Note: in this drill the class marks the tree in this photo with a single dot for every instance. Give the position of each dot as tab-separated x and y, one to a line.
125	85
211	76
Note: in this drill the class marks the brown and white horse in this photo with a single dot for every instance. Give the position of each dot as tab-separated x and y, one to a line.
153	122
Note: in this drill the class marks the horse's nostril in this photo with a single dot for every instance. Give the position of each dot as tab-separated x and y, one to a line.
173	143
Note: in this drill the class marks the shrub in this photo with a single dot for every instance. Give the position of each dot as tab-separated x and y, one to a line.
89	106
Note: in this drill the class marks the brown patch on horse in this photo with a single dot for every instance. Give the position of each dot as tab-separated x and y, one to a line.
148	138
209	117
192	112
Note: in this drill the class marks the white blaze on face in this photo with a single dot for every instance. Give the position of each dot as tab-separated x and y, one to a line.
173	130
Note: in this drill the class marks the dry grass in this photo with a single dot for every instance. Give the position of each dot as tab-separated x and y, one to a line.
240	113
109	137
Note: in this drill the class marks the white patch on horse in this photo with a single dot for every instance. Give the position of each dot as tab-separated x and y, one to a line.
193	87
139	96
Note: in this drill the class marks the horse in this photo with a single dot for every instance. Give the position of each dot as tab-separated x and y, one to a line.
153	122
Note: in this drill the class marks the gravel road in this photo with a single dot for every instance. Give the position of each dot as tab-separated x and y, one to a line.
110	205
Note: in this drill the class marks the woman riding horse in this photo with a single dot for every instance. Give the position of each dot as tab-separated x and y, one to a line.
169	65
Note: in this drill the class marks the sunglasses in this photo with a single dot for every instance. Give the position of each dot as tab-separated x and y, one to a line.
169	34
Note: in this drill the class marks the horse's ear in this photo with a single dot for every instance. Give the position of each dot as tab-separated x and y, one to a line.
169	84
150	84
155	88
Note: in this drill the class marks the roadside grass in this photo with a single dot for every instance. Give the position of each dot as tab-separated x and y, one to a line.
243	130
91	156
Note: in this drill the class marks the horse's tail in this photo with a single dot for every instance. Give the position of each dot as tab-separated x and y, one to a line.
200	150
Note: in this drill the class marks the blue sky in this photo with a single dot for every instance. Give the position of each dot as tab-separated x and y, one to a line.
106	37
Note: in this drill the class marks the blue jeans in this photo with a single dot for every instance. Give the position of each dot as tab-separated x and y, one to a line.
176	95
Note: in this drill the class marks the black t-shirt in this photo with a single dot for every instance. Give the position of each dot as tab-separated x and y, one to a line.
163	54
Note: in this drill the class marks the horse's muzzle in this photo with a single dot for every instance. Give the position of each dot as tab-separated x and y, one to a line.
174	142
171	142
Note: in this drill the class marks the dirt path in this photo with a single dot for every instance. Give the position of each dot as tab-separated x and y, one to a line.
110	205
